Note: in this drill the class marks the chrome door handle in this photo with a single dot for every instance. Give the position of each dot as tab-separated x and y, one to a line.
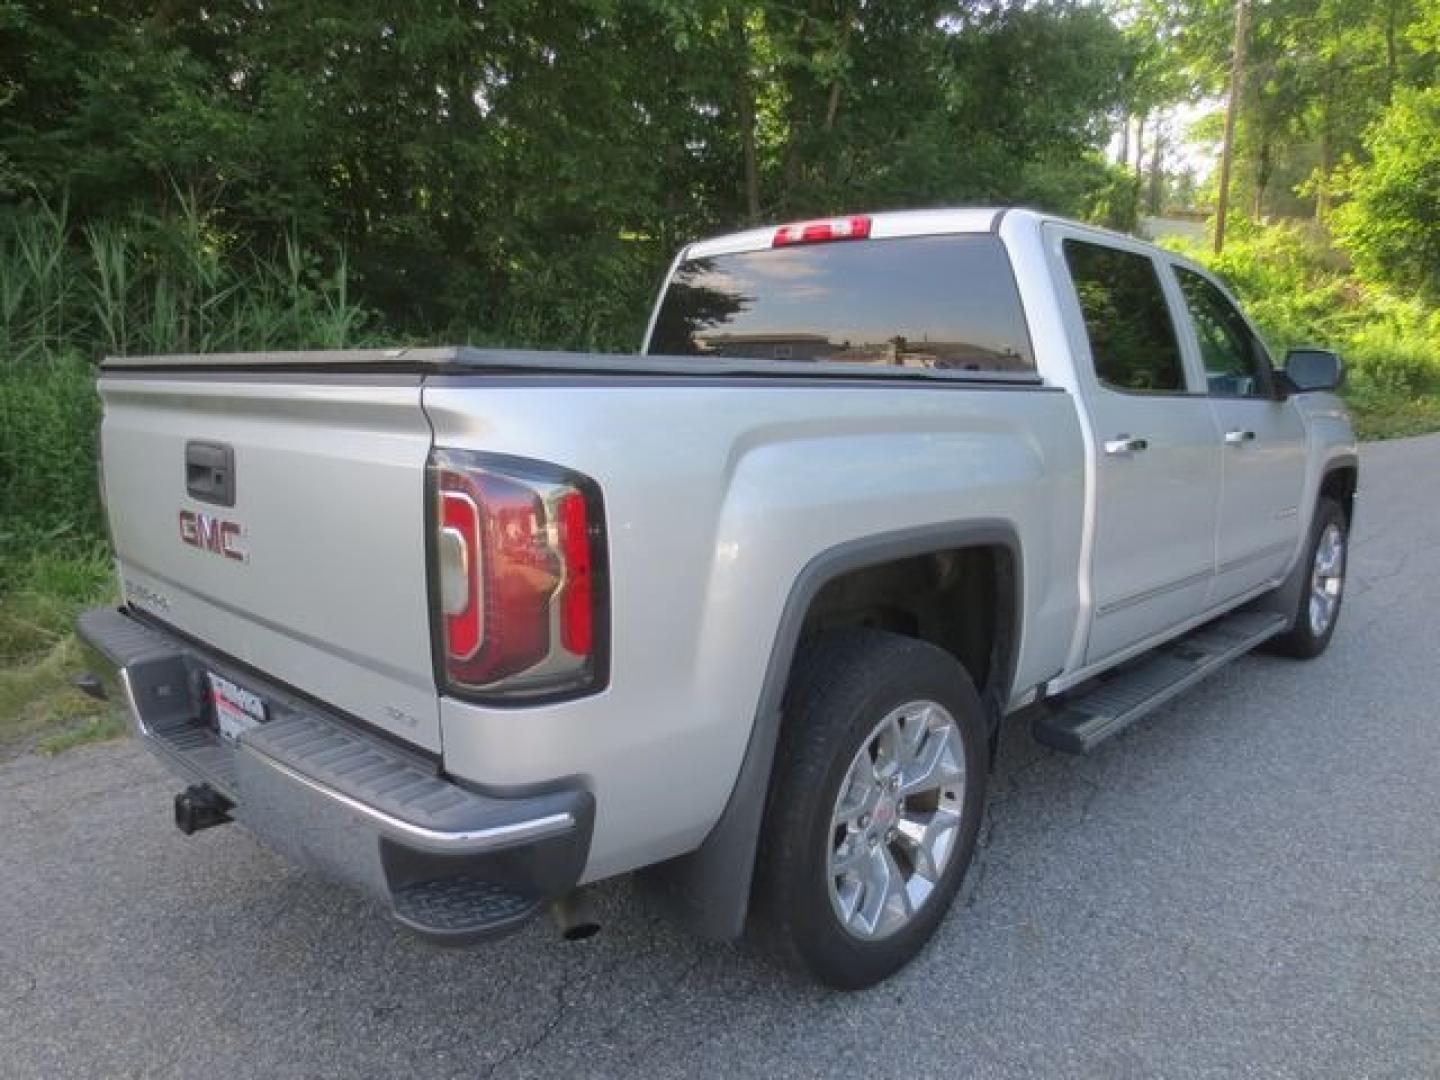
1235	438
1125	445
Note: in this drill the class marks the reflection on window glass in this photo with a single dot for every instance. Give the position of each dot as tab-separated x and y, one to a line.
1126	318
1235	362
947	302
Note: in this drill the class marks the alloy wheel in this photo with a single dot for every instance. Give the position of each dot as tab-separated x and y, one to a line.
896	820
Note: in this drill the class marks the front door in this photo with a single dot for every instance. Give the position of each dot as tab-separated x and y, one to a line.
1157	450
1263	443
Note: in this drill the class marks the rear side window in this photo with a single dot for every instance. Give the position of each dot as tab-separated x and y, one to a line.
946	302
1127	319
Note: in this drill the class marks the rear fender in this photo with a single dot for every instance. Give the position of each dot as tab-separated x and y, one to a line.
709	888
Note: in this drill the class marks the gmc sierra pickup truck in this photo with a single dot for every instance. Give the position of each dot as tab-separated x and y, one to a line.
470	630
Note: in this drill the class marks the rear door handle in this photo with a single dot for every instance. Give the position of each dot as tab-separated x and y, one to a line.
1235	438
1125	445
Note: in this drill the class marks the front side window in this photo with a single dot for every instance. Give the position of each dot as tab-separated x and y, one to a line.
947	302
1132	337
1236	364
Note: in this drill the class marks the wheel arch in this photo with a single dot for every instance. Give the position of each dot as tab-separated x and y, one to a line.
1339	480
709	888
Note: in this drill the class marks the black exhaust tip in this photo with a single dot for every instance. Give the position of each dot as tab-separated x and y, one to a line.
575	917
200	807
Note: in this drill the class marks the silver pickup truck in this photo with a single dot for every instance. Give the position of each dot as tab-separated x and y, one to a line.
473	629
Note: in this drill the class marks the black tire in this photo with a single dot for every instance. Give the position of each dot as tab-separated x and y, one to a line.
1304	641
844	684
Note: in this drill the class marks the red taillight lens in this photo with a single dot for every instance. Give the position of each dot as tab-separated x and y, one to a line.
517	548
577	603
818	232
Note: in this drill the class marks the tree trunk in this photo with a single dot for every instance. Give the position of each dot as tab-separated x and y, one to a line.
1140	147
1232	106
1322	172
745	113
1124	156
1264	169
832	106
1157	176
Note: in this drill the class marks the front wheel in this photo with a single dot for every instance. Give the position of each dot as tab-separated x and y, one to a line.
876	804
1323	587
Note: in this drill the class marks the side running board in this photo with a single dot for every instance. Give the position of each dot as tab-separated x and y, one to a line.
1081	721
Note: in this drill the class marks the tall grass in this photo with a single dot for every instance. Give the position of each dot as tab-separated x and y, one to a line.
70	295
161	284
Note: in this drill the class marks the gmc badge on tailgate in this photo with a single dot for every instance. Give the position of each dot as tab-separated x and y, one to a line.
209	533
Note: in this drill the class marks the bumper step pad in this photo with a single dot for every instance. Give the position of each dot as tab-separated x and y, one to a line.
461	909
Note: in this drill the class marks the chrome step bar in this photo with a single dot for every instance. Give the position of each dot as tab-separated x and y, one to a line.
1101	709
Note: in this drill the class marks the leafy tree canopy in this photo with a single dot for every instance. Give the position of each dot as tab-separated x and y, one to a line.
522	169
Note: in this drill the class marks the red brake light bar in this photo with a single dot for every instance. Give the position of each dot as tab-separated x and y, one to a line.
822	231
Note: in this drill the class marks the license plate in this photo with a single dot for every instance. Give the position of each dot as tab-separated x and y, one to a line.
236	709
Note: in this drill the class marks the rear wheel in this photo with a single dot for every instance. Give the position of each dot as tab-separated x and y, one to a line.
1323	588
876	803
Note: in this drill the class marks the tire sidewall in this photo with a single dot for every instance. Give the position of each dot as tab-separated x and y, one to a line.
836	955
1310	643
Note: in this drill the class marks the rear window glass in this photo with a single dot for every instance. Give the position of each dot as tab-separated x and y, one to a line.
946	302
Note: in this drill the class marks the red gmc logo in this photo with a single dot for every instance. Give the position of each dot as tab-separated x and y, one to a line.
201	530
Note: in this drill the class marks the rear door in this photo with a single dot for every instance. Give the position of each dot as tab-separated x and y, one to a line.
280	520
1156	454
1263	441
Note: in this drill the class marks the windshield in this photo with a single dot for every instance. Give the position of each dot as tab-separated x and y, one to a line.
947	302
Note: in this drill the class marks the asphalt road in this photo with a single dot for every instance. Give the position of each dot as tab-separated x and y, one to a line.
1248	884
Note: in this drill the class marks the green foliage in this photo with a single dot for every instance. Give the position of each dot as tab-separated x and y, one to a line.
42	588
155	284
1380	414
1114	201
1301	291
148	285
91	729
48	417
1391	225
524	172
1315	75
1292	282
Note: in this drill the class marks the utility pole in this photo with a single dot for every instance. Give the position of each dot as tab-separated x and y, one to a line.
1232	106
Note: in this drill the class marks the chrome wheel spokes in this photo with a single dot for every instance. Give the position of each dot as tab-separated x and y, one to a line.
1327	579
895	823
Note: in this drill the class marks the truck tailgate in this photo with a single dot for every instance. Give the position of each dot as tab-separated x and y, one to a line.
316	573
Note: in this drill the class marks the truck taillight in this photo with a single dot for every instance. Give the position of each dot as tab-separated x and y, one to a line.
517	567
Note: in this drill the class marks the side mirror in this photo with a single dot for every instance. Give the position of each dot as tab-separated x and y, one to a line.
1313	369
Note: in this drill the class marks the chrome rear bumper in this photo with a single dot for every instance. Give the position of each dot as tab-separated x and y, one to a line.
453	864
